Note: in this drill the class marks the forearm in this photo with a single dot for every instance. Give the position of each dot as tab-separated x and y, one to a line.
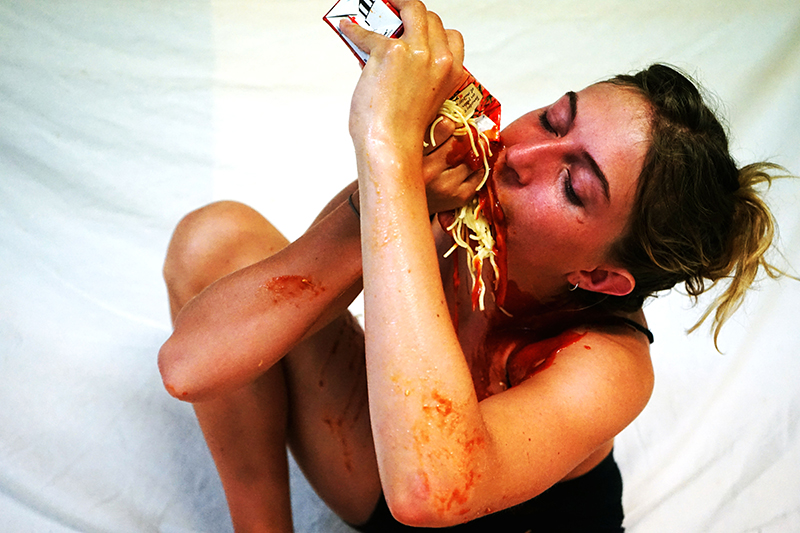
429	435
244	323
430	439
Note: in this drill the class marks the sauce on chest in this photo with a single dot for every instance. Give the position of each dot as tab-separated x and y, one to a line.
503	358
507	361
498	359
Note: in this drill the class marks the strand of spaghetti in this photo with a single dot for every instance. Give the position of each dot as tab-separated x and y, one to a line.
471	225
471	230
466	123
464	126
430	131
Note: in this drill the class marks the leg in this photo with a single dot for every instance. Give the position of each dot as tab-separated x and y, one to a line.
315	399
246	430
329	426
246	434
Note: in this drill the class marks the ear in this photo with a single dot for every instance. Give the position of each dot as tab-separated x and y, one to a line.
611	280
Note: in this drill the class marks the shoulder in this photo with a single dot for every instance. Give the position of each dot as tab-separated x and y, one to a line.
593	368
592	388
606	364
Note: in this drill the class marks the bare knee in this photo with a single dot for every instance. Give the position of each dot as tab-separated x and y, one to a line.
214	241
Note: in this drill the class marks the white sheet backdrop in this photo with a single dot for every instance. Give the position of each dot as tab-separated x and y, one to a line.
118	117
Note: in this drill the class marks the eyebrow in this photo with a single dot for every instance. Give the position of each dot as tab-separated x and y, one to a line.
598	172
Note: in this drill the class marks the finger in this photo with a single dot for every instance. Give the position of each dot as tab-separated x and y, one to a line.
452	189
364	39
470	184
413	14
456	42
437	37
439	46
443	176
447	45
442	130
435	162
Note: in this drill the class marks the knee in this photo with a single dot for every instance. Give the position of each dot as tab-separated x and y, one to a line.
214	241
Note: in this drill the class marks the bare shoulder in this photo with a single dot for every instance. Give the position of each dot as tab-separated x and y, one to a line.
622	345
592	387
615	349
612	363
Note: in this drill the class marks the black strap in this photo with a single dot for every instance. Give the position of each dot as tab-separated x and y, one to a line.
638	327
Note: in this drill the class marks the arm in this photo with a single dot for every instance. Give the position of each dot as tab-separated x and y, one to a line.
444	457
242	324
422	402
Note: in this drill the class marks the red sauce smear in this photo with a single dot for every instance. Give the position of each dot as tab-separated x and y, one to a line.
441	412
461	152
534	358
477	266
284	288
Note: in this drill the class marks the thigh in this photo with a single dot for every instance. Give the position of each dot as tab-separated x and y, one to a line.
329	426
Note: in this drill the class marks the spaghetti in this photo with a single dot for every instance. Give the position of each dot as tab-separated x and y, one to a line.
472	229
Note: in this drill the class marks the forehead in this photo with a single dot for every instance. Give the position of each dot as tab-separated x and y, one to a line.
614	125
619	115
626	103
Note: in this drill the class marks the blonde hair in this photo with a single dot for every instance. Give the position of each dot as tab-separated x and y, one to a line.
697	220
752	235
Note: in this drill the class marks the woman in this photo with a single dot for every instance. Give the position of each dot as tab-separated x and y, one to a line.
488	422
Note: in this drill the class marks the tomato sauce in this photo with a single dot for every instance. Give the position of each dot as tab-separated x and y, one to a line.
534	358
284	288
442	416
491	208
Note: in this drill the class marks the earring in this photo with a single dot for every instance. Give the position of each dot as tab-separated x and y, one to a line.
573	288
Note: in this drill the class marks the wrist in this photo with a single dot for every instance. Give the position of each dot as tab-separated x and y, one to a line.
383	145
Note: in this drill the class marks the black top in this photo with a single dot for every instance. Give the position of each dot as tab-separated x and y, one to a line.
591	503
638	327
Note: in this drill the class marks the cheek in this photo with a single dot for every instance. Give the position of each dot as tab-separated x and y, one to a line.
535	216
548	238
535	232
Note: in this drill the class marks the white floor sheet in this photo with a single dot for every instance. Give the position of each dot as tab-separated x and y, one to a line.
118	117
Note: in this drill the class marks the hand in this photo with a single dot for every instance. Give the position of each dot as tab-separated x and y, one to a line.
447	187
405	80
448	184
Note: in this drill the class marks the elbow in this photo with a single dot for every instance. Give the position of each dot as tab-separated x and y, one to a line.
174	374
416	505
410	510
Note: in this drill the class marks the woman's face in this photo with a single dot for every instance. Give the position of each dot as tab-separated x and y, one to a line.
566	182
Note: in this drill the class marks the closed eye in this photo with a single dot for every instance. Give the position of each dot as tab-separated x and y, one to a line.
569	190
546	123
